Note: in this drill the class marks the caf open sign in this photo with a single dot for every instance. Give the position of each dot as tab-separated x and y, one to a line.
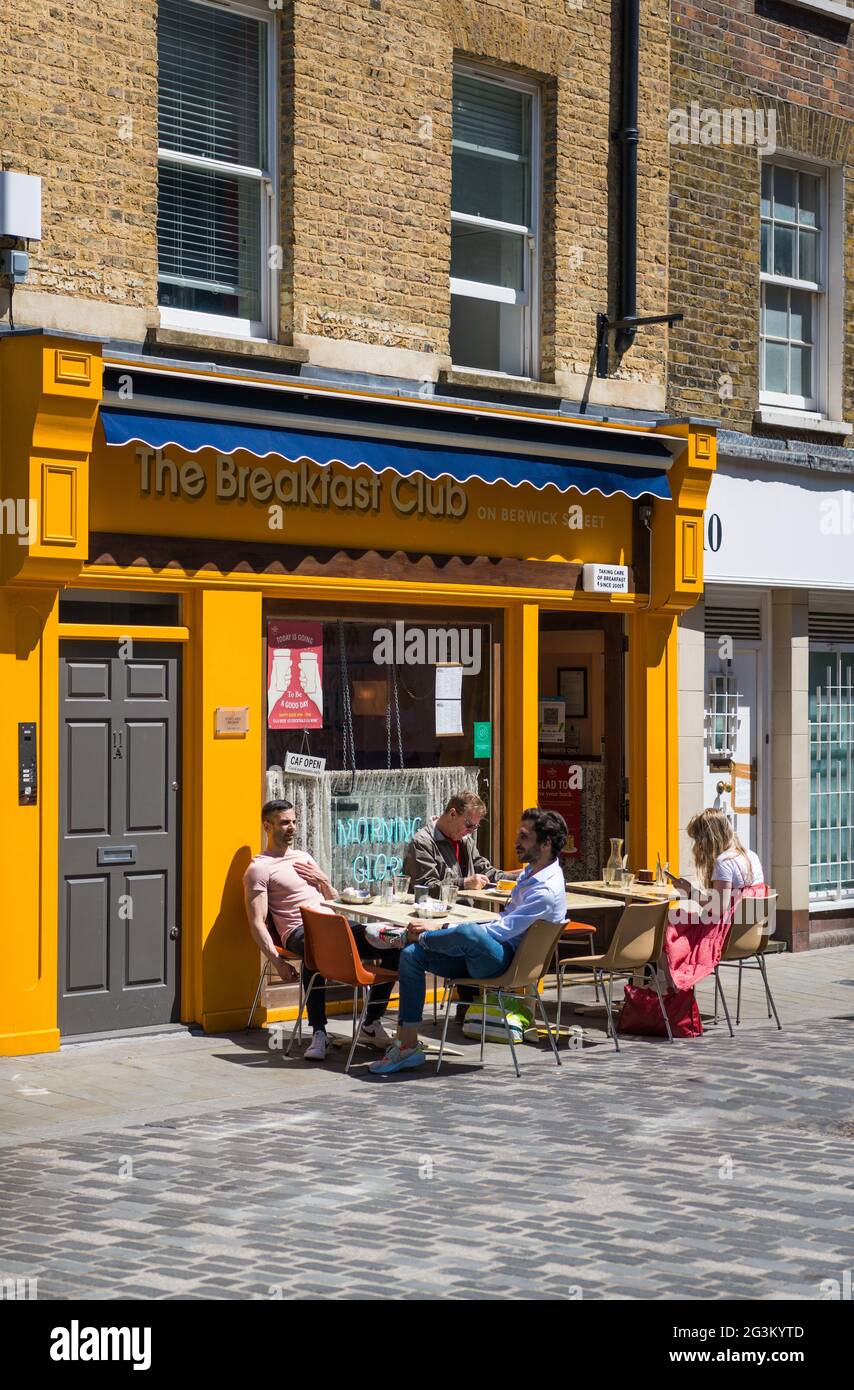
304	763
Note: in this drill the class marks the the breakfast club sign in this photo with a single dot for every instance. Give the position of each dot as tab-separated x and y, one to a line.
300	484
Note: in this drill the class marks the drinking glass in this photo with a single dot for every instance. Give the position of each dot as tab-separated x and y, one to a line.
448	892
401	887
385	887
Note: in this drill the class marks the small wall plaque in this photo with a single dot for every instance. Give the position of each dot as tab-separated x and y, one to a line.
231	721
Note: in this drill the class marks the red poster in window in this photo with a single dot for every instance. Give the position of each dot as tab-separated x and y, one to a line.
558	790
294	675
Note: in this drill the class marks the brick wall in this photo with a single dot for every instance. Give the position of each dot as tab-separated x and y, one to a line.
365	156
744	55
372	156
79	107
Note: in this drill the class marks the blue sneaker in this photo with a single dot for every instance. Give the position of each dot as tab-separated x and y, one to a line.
399	1058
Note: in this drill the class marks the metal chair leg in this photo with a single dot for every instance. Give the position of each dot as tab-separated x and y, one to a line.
482	1024
723	1001
717	992
768	993
661	1003
547	1026
738	1000
507	1029
609	1018
357	1028
303	1005
449	994
264	970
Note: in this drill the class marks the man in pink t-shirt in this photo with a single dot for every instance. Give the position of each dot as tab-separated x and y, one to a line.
280	881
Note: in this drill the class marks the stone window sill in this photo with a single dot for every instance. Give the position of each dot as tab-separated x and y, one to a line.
801	420
833	8
215	346
497	381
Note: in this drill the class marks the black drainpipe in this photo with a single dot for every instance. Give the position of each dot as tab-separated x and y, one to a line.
628	138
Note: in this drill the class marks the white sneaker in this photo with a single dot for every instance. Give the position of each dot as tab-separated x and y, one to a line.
316	1050
376	1036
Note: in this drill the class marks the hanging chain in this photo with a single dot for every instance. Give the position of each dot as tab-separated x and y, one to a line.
396	695
349	741
393	704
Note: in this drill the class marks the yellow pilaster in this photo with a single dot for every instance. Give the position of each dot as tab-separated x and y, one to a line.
653	741
28	905
222	820
49	393
521	694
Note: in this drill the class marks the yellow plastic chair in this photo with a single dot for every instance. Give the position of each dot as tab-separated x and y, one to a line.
638	941
753	925
528	966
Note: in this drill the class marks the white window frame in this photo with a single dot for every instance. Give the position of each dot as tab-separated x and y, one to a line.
817	289
529	296
221	325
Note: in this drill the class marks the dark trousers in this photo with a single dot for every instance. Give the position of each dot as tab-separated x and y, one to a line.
380	994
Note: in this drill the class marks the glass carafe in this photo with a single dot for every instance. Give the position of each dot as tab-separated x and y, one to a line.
614	866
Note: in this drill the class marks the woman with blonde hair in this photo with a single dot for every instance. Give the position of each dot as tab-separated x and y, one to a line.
724	866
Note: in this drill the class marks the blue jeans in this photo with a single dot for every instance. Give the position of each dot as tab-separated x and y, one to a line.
453	954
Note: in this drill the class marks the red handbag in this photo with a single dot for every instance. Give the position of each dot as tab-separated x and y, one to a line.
641	1013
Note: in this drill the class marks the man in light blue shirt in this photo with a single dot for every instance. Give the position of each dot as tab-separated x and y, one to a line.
481	950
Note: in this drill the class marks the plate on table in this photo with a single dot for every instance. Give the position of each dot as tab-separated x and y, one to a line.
356	899
430	910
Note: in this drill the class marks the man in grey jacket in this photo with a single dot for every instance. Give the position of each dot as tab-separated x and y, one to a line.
447	851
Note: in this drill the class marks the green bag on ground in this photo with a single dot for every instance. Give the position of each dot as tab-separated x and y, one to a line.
519	1017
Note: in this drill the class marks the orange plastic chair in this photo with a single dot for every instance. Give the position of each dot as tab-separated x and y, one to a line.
267	971
335	958
573	931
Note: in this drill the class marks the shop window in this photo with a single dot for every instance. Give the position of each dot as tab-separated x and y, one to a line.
111	607
494	222
215	173
831	713
396	713
793	258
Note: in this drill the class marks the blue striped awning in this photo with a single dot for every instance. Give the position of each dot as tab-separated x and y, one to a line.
647	478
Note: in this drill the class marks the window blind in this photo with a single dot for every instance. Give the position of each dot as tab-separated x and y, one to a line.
212	81
490	117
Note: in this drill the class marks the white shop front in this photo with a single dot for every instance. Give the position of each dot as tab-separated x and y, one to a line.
778	672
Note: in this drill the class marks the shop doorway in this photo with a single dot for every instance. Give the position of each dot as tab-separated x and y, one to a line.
581	734
119	803
733	713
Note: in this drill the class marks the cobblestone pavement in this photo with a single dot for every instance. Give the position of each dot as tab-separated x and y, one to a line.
712	1169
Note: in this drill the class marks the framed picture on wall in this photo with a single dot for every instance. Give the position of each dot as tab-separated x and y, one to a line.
572	689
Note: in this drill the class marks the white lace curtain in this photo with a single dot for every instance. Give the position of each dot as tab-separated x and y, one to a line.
383	794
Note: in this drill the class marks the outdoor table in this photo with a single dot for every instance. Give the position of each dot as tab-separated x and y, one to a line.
638	893
574	901
401	914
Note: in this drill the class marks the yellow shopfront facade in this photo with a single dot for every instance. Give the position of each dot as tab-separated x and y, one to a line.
148	573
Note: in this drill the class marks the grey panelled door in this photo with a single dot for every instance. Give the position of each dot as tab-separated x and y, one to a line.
118	827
